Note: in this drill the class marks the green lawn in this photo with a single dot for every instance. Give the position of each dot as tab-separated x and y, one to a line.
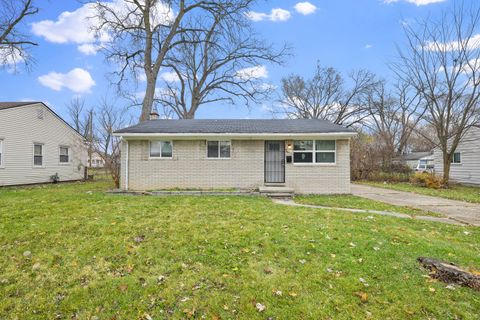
454	192
355	202
69	251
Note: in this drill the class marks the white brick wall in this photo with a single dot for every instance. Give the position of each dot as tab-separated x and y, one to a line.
190	168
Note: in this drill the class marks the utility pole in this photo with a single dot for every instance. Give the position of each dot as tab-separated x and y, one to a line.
90	137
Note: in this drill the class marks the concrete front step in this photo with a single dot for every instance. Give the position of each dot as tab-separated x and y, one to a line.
278	195
276	191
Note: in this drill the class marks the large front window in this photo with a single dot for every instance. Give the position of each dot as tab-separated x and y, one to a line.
161	149
314	151
218	149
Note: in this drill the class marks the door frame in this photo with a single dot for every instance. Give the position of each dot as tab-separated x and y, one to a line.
281	142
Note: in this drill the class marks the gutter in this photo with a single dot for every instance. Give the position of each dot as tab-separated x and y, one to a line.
251	136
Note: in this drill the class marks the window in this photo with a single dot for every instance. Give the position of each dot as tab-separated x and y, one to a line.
218	149
64	156
161	149
2	161
457	158
38	154
314	151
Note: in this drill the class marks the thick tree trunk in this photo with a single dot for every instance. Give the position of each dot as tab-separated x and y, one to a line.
450	273
147	104
446	168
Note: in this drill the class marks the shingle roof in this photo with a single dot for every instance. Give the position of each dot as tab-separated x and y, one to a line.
8	105
244	126
415	155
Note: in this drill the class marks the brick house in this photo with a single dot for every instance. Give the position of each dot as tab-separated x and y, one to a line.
306	155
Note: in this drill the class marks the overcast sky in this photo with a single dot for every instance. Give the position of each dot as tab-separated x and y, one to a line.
345	34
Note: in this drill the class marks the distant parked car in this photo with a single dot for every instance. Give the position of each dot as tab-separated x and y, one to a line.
417	161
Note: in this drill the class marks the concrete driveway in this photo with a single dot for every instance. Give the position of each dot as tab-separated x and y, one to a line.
456	210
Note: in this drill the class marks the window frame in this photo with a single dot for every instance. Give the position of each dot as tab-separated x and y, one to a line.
160	157
314	153
2	153
218	149
43	155
453	158
60	155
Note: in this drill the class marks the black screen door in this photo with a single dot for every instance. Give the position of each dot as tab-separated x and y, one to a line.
274	161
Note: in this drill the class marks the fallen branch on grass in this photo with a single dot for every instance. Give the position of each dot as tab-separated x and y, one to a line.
450	273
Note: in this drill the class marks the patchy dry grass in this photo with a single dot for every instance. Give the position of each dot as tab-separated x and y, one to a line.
71	251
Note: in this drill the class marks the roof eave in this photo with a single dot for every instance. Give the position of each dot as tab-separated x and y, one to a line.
246	136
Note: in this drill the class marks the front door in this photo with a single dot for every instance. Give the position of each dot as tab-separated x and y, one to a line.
274	161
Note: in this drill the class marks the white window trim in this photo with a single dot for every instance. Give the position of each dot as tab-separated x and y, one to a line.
43	155
2	152
160	156
218	158
314	150
453	157
69	155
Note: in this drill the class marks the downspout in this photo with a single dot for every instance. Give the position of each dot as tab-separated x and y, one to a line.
126	165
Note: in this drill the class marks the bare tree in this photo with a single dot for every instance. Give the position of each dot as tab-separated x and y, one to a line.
79	115
393	116
14	44
82	121
142	33
442	61
109	119
221	60
325	96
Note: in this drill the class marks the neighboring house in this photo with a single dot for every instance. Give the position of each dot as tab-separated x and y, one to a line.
465	167
35	144
97	161
310	156
419	161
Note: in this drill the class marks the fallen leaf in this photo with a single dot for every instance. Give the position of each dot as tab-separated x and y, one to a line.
189	313
292	294
362	295
123	287
432	289
260	307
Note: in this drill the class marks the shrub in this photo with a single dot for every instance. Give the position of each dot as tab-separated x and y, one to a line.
427	180
55	178
381	176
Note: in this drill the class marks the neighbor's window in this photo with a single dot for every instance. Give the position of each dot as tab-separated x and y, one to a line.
218	149
457	157
38	154
314	151
64	155
161	149
1	153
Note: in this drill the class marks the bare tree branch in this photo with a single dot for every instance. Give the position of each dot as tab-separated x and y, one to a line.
325	96
14	45
442	61
143	33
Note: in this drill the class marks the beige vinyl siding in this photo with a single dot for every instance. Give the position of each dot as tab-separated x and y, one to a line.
468	171
20	128
190	168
